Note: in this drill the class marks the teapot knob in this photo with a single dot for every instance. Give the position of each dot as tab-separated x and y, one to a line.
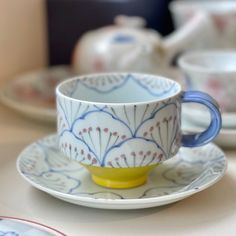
130	21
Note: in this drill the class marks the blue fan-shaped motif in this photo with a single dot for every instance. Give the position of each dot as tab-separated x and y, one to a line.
92	134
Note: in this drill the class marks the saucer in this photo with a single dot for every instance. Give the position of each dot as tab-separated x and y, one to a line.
190	171
201	116
11	226
33	94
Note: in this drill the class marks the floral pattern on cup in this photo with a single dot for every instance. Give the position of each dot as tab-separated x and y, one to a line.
123	127
124	120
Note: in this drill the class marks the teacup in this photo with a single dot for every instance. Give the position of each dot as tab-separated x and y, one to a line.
222	13
213	72
122	125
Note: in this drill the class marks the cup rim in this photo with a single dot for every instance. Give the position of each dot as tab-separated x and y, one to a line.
217	7
185	65
59	93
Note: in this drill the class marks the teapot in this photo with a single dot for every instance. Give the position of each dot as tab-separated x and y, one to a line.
129	46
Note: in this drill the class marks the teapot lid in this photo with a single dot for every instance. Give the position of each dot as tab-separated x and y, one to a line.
127	29
130	21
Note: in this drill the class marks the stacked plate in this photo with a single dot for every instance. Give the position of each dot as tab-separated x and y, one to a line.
33	94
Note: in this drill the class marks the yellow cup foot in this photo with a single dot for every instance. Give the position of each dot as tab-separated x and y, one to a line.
119	177
111	183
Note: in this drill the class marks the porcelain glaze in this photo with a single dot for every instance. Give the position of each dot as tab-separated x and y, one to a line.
11	226
214	72
101	123
129	46
32	94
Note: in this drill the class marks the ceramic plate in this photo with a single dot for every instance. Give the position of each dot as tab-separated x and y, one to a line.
190	171
201	116
10	226
33	94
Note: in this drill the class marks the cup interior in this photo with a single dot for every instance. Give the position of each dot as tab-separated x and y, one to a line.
118	88
211	61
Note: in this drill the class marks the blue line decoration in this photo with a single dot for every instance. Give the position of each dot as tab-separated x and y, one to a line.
97	141
92	133
190	170
156	88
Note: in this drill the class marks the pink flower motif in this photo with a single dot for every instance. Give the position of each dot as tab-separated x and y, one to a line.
105	130
123	137
85	130
165	120
220	22
214	84
133	154
151	129
160	156
114	134
98	65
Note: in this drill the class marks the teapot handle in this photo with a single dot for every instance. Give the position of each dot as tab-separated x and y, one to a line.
199	30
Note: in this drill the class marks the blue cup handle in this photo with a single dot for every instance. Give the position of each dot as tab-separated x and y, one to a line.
199	139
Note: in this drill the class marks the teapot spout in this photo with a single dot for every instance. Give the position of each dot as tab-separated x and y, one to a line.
199	32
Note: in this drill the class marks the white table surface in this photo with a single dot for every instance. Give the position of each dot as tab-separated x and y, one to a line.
211	212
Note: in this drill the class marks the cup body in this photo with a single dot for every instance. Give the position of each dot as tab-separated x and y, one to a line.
213	72
222	13
118	121
121	125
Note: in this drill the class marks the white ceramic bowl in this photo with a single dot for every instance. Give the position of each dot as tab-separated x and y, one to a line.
213	72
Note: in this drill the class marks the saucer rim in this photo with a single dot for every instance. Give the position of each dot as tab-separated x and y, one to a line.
36	224
36	112
133	201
